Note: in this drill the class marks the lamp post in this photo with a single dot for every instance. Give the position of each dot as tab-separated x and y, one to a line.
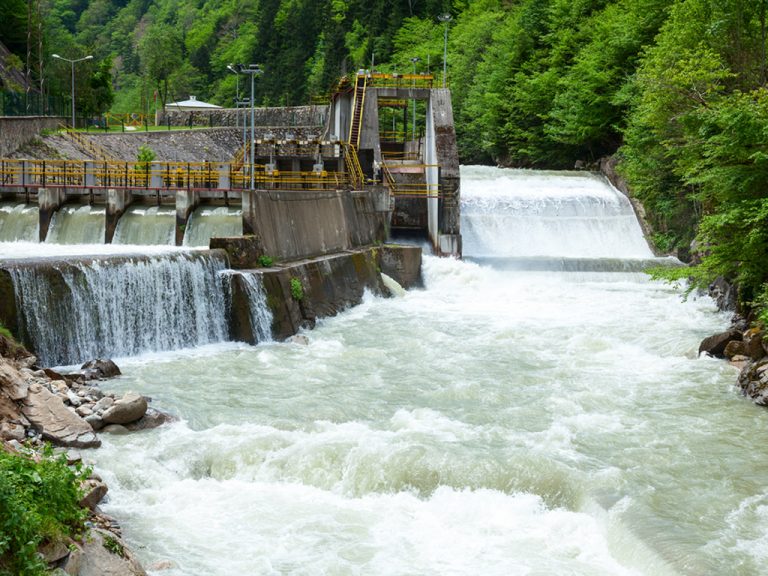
73	62
413	84
445	18
254	70
231	68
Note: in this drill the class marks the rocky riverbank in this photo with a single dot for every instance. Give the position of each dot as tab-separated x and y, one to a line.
746	348
69	411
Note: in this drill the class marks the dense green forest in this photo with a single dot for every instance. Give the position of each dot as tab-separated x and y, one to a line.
675	88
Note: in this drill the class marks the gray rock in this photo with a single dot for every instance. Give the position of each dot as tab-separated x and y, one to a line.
715	345
152	419
12	431
84	411
53	551
127	409
95	422
73	398
100	368
117	429
95	492
55	421
14	384
74	561
104	554
103	404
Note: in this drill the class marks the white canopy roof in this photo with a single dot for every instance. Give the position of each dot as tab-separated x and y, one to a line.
193	103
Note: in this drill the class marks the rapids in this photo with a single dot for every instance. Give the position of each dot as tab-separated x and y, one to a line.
498	422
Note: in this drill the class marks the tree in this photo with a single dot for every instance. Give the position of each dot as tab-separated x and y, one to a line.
160	53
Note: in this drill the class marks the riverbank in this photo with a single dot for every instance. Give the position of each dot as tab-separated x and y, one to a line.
40	406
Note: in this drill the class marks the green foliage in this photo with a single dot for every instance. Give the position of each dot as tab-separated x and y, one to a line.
6	333
266	261
114	546
39	502
145	154
297	290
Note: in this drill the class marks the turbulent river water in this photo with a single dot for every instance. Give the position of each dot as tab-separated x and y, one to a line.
534	410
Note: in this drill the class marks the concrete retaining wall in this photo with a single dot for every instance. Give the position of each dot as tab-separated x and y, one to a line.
294	224
15	131
330	284
289	116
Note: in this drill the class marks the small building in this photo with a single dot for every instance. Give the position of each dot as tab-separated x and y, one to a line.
191	105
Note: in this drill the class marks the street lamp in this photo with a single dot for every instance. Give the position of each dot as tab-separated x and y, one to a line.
73	62
231	68
254	70
413	83
445	18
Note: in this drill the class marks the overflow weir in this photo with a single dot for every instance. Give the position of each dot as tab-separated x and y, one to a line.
295	221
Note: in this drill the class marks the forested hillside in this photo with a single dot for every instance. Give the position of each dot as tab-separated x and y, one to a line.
676	87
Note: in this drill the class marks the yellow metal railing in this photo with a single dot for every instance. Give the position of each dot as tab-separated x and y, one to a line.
159	175
380	80
358	108
352	163
129	119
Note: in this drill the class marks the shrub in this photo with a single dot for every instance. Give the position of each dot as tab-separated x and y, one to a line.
266	261
297	290
39	502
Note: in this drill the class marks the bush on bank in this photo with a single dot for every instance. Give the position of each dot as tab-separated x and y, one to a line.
39	503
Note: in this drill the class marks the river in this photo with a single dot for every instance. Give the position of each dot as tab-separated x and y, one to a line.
537	409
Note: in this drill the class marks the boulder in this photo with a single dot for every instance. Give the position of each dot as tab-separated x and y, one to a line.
104	554
753	380
11	380
95	492
735	348
715	345
152	419
753	343
95	422
53	551
100	368
57	423
127	409
73	562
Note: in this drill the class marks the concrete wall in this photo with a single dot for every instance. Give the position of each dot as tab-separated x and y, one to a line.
288	116
15	131
295	224
330	285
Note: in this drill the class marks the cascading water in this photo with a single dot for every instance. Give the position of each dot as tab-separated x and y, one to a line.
147	225
85	308
18	222
77	225
557	220
209	222
260	313
497	422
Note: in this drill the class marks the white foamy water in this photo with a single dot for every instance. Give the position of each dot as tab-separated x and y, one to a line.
496	422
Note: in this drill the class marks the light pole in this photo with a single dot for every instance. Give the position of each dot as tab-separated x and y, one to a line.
73	62
413	84
254	70
231	68
445	18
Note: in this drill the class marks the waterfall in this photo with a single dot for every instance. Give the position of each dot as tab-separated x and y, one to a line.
147	225
209	222
119	306
549	220
261	315
250	312
78	225
18	222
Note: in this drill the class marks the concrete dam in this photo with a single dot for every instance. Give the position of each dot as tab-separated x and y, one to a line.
295	222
